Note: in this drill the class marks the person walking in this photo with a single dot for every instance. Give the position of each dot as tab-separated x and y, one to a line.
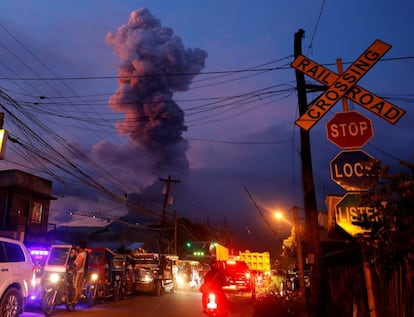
79	271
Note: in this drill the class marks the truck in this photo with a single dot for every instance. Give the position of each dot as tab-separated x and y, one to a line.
153	272
221	252
257	261
259	265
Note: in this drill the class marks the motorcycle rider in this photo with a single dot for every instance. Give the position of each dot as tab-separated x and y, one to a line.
213	282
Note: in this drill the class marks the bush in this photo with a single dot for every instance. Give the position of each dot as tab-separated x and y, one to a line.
272	304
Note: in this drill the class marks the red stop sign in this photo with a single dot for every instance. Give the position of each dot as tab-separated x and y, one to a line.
349	130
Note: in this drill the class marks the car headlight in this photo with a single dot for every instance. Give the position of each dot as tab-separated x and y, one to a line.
148	278
54	277
94	277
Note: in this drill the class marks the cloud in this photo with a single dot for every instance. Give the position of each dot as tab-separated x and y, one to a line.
154	64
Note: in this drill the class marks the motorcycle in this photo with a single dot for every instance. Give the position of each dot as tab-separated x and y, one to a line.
55	282
91	288
120	277
99	280
58	291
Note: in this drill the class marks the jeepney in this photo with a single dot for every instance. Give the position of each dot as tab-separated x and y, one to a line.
153	272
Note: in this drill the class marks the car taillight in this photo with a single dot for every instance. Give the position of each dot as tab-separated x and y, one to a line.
212	301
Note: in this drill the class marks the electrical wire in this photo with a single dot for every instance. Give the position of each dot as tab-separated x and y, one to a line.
44	148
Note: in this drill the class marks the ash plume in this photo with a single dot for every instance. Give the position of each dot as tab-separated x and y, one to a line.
154	64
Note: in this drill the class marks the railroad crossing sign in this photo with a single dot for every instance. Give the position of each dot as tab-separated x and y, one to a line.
345	85
349	129
354	170
350	210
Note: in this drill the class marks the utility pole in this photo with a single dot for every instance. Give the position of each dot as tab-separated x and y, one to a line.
166	197
3	137
175	232
310	206
299	251
164	210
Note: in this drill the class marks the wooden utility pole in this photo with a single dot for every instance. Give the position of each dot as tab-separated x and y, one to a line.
368	281
175	232
166	197
3	137
164	220
299	251
310	206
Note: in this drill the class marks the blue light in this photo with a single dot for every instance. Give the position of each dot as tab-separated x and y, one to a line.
39	252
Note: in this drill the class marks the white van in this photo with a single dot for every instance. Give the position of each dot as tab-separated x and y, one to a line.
16	277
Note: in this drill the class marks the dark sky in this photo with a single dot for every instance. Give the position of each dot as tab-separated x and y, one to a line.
107	97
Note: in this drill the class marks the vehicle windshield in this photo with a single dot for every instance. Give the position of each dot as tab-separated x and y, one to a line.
146	260
236	266
118	263
58	256
95	257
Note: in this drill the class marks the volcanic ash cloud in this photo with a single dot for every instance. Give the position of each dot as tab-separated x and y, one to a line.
154	64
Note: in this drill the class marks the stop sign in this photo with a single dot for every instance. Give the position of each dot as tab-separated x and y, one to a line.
354	170
350	210
349	129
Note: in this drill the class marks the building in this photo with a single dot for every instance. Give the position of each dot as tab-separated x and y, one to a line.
24	205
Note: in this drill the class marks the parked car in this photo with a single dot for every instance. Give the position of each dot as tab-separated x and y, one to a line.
16	277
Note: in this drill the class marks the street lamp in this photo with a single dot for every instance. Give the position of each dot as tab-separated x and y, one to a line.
278	215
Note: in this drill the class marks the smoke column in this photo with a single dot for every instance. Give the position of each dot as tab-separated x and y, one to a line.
153	61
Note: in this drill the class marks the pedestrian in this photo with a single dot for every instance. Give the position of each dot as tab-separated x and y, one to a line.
79	271
70	266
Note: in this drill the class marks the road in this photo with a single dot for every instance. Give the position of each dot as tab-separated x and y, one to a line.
178	304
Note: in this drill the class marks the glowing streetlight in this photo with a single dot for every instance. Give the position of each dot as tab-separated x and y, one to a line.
278	215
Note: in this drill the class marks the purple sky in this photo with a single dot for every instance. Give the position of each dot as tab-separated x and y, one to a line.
225	126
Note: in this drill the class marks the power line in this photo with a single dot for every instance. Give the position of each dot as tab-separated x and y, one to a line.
316	26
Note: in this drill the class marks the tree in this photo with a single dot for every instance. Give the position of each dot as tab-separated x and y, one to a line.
391	243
